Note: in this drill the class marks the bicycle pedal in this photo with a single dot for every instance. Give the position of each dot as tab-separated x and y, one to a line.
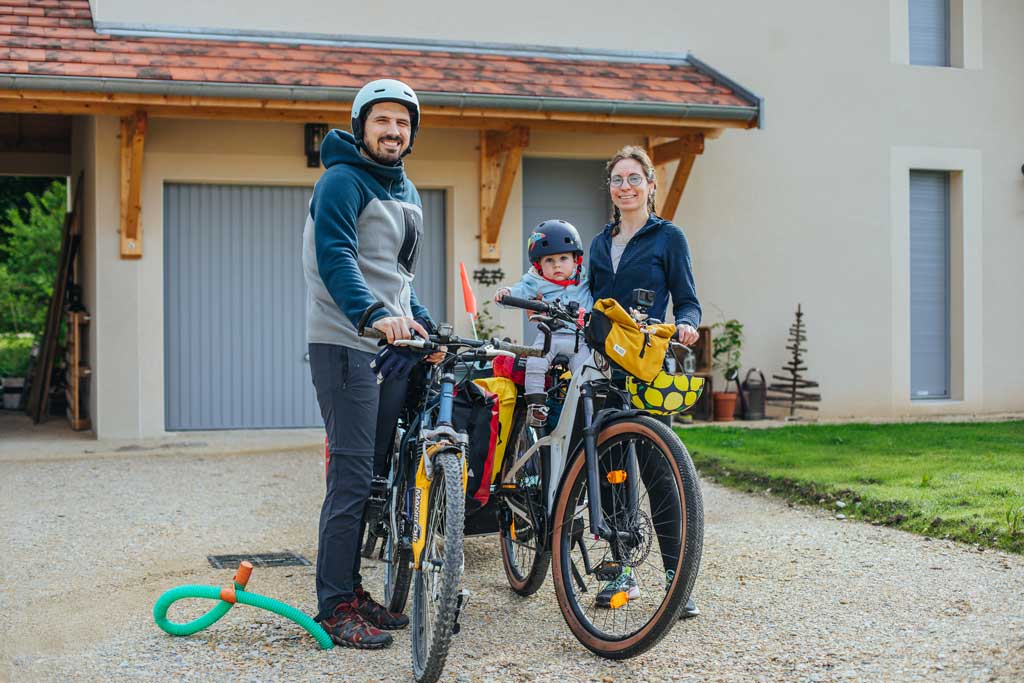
608	571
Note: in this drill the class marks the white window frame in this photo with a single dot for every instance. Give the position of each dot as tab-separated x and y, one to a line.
965	34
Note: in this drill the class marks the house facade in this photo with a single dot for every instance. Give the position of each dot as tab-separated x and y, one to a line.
862	160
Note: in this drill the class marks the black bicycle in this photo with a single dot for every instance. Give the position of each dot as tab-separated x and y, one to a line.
420	510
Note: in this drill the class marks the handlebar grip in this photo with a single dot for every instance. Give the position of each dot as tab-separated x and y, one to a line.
528	304
372	333
518	349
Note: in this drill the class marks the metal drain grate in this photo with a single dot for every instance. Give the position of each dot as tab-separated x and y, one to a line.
258	560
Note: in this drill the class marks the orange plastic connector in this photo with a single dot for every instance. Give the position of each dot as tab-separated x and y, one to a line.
618	600
243	573
616	476
227	594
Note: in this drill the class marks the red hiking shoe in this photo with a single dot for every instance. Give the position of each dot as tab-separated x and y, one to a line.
376	614
347	627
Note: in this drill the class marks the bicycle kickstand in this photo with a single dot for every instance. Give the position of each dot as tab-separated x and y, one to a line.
459	606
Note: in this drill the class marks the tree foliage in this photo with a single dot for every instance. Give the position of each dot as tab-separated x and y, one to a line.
30	241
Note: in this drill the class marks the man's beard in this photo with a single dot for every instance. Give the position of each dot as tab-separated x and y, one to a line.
381	159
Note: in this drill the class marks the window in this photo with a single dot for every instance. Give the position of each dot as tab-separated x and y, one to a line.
929	32
929	284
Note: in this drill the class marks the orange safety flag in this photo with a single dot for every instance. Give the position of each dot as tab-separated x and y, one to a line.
467	292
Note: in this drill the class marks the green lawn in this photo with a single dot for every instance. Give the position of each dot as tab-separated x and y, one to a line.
962	481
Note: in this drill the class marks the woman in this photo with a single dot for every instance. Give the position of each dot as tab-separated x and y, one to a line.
639	250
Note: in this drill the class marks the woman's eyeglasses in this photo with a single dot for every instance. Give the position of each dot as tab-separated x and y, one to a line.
634	179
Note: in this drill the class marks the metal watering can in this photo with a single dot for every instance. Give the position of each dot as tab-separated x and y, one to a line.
753	395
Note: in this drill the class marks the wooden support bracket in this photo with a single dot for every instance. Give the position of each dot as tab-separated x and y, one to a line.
133	138
500	156
685	150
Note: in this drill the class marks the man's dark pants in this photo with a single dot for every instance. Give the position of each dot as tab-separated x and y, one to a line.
360	417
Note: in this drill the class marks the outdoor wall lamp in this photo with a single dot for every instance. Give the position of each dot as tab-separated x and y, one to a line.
315	133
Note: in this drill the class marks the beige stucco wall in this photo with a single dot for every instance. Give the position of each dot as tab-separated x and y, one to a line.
83	161
807	210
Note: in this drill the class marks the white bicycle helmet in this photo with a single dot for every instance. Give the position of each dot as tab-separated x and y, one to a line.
384	90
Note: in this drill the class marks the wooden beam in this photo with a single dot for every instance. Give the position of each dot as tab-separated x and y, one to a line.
500	156
133	138
677	149
125	177
502	142
675	190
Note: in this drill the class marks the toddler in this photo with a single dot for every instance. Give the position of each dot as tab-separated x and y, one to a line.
556	253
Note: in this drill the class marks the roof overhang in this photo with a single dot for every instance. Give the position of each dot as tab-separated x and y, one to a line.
121	97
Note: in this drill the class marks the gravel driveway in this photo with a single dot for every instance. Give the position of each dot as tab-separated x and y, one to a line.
88	544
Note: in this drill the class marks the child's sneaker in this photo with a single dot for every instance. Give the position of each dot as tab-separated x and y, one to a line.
536	410
538	414
624	583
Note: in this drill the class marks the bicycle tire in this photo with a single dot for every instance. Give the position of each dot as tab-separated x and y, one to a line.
397	551
524	578
691	535
447	498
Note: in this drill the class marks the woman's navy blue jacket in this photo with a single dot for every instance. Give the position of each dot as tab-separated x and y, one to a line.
658	259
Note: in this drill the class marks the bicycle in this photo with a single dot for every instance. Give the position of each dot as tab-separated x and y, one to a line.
608	492
425	503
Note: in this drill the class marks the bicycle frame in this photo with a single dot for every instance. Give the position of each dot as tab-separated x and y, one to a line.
560	441
442	437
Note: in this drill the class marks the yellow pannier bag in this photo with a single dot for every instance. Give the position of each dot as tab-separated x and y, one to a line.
638	349
505	389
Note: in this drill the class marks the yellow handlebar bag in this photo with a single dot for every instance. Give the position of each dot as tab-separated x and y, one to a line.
638	349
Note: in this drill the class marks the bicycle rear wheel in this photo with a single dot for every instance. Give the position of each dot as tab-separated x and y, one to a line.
620	597
522	528
436	583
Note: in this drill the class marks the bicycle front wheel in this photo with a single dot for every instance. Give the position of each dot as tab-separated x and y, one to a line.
436	583
619	597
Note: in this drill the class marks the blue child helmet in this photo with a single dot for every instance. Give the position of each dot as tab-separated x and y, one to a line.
554	236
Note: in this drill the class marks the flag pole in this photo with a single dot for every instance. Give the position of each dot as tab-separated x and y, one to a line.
468	298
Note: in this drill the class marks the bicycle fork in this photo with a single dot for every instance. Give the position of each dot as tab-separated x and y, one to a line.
597	522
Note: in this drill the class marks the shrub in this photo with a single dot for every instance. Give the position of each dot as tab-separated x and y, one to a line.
15	350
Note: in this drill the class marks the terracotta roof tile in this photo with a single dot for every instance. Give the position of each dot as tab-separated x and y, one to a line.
57	38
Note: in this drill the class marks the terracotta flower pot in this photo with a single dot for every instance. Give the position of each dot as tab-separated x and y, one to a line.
725	406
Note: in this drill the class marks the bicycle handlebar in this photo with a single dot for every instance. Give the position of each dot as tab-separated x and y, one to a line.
517	349
434	342
528	304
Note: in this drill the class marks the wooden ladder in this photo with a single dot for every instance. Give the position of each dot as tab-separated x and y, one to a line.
76	371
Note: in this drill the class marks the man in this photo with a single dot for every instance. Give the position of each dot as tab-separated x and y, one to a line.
360	246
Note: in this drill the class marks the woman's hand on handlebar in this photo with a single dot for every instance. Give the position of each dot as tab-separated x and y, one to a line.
504	291
687	334
399	327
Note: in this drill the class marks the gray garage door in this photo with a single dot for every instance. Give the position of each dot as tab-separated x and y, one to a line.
235	306
570	189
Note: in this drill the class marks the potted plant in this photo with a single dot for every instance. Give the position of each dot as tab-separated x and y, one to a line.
725	354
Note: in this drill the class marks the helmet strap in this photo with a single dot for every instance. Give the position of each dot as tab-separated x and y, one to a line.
574	280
